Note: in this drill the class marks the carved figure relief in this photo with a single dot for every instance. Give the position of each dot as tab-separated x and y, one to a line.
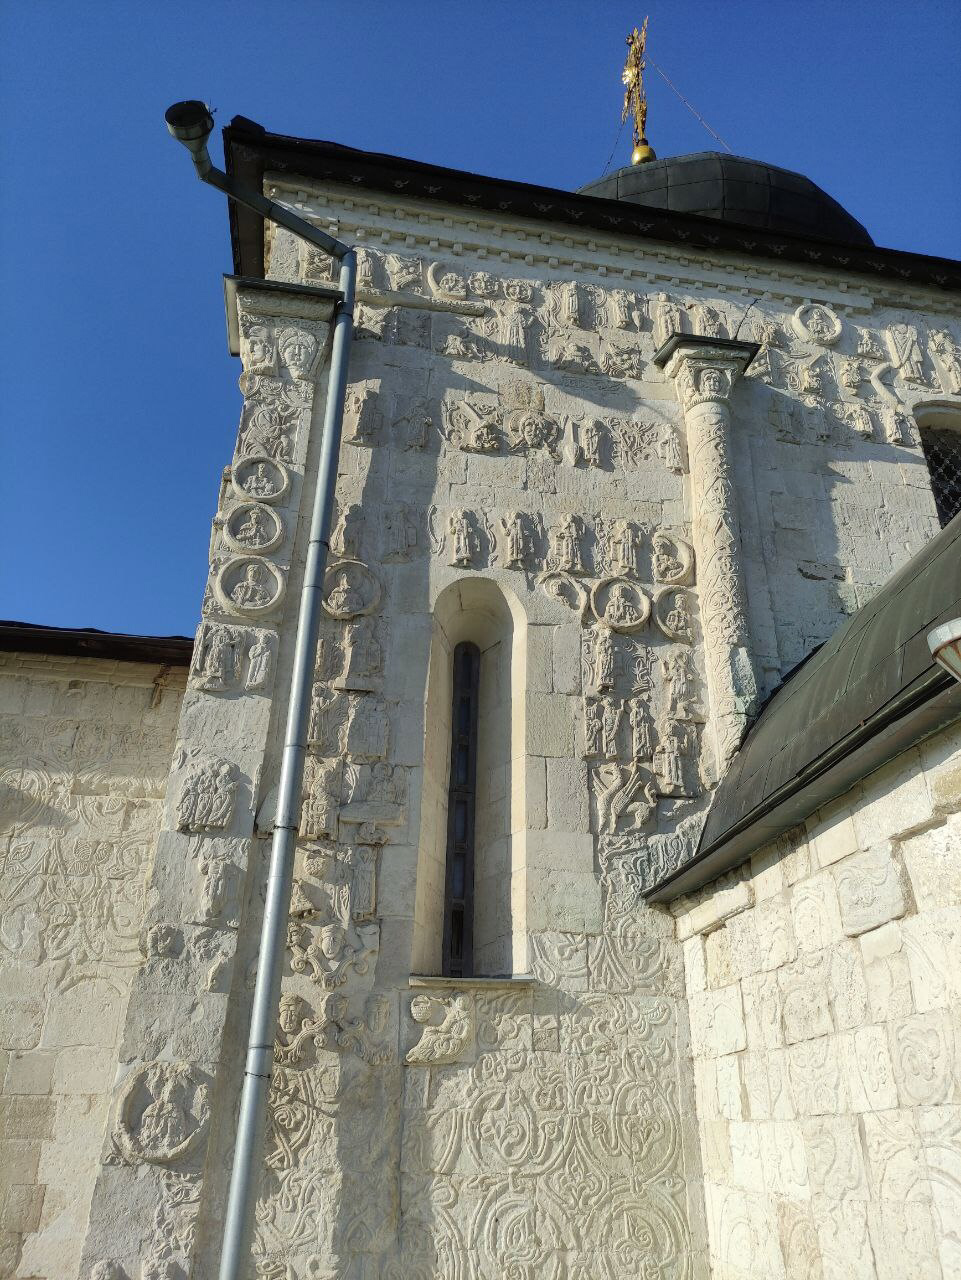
665	318
412	427
676	745
858	417
588	442
253	527
624	548
461	539
483	285
367	728
261	478
338	952
345	541
219	656
472	425
207	796
678	674
272	415
623	309
673	559
620	361
322	797
162	1113
566	552
400	533
350	590
947	353
669	448
448	1027
674	613
602	661
250	587
328	720
642	729
362	415
363	657
816	323
908	358
515	540
405	274
706	321
620	605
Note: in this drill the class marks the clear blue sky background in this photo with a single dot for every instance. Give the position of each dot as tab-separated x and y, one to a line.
120	402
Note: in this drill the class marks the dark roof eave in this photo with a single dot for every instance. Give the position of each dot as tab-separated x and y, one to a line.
87	642
250	151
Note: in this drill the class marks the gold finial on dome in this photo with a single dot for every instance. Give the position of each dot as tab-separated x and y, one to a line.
635	99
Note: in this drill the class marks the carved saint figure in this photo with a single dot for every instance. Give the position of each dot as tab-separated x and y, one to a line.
603	666
593	728
859	417
850	374
327	712
367	728
625	547
163	1125
675	746
869	346
515	541
949	357
260	483
322	801
364	656
642	729
347	534
570	304
512	334
668	567
207	797
666	318
907	352
707	321
297	350
400	533
462	549
621	309
216	662
677	673
345	599
621	611
362	419
254	590
258	662
677	618
589	436
565	541
611	722
669	448
256	529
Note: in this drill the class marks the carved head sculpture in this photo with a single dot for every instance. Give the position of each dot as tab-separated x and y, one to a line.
258	348
297	350
421	1008
289	1014
332	939
712	383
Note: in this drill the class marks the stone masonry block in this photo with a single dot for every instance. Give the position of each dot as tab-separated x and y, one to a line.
870	890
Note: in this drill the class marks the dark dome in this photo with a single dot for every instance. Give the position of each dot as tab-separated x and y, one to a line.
733	189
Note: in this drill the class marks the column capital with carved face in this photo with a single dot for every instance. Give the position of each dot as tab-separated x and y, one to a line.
704	370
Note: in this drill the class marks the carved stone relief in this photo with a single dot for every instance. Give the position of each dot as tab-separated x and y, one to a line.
250	587
674	612
816	323
261	478
207	795
162	1113
363	418
350	590
231	658
253	527
448	1026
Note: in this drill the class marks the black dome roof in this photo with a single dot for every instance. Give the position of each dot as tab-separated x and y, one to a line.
733	189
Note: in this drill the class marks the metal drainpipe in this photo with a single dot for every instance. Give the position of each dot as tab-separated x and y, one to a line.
238	1220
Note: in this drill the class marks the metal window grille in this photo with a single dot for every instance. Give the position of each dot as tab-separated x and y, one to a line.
458	948
942	449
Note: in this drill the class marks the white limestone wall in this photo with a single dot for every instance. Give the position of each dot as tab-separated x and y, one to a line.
824	982
86	748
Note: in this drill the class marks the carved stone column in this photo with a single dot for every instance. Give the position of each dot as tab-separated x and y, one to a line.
704	372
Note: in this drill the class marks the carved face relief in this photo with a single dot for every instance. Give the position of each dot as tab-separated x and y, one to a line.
674	613
817	324
257	347
620	605
298	349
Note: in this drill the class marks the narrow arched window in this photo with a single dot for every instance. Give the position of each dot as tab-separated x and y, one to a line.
942	452
458	950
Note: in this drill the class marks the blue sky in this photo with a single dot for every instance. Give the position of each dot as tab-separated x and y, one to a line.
120	402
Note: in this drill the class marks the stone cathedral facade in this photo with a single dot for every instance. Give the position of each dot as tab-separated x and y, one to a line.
613	467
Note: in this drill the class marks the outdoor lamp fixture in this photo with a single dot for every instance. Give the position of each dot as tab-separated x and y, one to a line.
192	123
945	645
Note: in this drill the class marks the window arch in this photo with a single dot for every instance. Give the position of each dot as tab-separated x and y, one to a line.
472	830
940	429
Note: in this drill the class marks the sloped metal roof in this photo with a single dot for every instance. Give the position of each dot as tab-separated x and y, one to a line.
866	695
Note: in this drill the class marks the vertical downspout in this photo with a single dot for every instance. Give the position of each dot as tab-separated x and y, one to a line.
244	1179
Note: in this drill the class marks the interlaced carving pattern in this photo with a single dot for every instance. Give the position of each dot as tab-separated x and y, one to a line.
942	449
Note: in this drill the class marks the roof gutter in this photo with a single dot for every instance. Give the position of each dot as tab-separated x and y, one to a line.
928	704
